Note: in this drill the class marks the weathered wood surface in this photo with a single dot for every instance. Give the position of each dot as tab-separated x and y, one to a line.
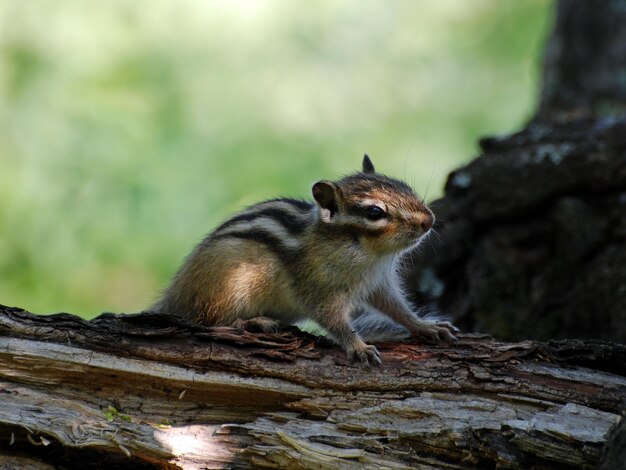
146	390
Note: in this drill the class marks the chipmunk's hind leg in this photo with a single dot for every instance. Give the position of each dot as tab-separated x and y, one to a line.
258	324
239	283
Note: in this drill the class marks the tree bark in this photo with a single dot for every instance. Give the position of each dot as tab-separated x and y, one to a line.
146	390
585	62
534	229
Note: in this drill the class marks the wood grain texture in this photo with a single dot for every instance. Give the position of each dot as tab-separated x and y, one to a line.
152	390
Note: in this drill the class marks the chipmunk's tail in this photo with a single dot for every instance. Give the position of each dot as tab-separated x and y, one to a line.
374	326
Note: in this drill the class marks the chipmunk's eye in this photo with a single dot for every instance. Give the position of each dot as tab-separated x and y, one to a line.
374	213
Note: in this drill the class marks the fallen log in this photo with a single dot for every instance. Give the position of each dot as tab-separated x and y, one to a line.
147	390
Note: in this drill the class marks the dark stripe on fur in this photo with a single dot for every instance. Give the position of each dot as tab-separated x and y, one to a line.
274	243
304	206
364	229
293	225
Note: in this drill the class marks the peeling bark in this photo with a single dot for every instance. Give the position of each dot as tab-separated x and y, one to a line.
151	390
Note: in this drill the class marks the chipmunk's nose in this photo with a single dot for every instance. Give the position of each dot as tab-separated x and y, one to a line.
427	222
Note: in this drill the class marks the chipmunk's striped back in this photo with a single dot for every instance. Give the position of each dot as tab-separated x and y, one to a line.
278	224
329	260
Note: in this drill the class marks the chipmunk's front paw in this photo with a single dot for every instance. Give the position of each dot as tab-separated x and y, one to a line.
366	354
436	332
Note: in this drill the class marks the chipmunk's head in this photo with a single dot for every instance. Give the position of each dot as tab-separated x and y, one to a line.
384	214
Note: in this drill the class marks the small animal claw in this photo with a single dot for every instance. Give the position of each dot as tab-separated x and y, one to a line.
434	333
367	356
449	326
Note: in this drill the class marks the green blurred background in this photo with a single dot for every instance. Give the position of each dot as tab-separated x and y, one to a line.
128	129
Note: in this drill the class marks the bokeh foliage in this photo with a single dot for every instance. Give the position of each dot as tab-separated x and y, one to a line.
130	128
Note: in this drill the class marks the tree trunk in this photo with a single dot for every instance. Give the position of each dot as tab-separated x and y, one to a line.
532	243
585	61
138	391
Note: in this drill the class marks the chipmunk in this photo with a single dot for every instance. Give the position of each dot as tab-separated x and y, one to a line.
334	261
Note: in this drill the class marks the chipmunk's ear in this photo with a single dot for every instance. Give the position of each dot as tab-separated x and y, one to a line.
368	166
325	194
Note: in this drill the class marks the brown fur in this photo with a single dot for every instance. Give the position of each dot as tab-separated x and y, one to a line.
290	261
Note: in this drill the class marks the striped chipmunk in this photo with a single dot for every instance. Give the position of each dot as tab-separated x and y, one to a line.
334	261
